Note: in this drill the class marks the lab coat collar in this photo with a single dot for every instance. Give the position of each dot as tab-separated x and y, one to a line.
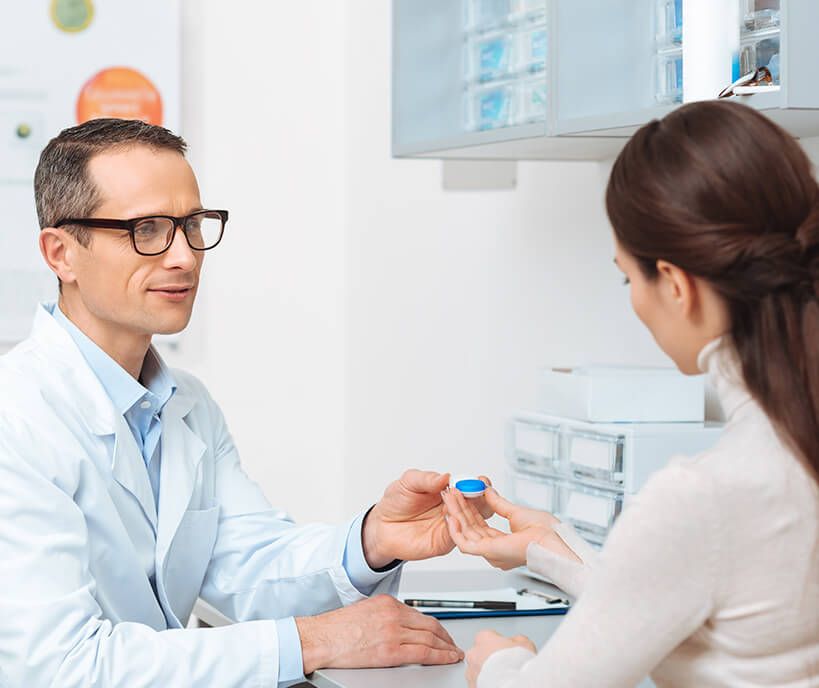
93	403
182	450
720	363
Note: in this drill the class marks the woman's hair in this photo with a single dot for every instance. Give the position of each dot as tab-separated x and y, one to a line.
722	192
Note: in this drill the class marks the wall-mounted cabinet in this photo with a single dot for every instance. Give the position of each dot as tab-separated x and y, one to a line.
572	79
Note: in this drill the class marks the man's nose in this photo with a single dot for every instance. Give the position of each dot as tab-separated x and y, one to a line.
180	254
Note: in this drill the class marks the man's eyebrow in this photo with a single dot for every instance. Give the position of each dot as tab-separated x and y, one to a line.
154	213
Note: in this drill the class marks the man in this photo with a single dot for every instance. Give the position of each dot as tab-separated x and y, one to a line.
122	498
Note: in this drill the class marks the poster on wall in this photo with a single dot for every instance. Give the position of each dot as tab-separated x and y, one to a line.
63	62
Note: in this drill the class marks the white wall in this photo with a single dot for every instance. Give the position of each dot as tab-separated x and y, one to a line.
455	299
359	320
269	145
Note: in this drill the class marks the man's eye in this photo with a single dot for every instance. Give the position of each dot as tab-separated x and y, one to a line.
147	229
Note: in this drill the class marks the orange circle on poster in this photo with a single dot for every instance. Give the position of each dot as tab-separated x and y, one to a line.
119	92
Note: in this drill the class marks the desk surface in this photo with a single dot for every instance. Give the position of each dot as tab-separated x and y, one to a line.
463	631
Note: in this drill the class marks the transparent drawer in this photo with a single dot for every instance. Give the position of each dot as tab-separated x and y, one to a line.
489	57
760	14
592	512
670	76
528	8
536	448
669	22
760	49
485	14
537	492
489	107
531	49
595	457
532	105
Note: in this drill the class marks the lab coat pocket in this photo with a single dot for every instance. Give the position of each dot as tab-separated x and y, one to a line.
188	558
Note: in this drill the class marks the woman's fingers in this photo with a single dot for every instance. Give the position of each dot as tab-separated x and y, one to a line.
463	543
471	515
455	510
481	504
502	507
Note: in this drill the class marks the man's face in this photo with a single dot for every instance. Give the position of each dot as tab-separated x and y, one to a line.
116	290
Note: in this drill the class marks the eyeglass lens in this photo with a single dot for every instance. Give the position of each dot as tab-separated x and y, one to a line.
155	234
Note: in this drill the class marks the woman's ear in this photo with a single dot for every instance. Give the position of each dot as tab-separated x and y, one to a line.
678	289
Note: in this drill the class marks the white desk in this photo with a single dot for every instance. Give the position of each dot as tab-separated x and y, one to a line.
463	631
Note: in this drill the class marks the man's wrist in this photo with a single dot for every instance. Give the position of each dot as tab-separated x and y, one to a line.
375	559
315	650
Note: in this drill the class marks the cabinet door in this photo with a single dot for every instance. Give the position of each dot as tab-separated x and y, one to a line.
457	86
605	66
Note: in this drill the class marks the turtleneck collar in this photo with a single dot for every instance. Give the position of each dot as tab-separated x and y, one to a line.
720	363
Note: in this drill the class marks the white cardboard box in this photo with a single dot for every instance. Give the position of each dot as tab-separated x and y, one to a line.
608	394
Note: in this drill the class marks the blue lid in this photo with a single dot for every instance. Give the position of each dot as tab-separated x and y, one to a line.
470	485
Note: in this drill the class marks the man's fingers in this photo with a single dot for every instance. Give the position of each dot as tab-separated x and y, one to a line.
424	481
421	622
411	636
421	654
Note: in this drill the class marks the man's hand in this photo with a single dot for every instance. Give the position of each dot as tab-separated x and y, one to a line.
408	523
377	632
487	643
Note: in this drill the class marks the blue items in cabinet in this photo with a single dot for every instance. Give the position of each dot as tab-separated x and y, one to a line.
669	20
532	47
493	58
494	108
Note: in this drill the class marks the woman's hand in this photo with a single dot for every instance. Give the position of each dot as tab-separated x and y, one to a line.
487	643
470	532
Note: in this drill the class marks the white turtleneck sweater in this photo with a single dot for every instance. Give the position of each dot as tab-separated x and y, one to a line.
709	578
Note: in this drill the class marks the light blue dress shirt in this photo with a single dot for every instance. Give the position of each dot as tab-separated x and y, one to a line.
141	402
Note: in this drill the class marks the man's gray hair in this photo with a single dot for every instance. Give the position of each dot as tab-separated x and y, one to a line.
62	186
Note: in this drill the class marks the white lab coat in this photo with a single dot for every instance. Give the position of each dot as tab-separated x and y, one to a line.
77	524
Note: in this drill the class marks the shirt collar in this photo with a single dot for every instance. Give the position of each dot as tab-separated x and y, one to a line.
123	390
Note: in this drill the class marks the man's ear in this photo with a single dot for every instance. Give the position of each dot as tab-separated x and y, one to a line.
59	250
678	288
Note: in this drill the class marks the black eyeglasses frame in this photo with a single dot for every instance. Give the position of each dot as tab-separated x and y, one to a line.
130	226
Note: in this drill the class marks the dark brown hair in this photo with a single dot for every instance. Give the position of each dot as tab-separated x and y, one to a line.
62	186
723	193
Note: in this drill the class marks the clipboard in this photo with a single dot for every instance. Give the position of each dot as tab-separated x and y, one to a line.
528	604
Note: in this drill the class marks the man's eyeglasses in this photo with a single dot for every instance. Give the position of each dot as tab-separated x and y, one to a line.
154	234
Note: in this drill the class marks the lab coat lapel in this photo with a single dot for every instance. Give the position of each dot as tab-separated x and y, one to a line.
129	470
182	452
96	410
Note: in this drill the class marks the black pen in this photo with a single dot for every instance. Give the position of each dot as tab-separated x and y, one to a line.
461	604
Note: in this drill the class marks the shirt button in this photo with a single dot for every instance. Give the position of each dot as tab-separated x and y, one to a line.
145	405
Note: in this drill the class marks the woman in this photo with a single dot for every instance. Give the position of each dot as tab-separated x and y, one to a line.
711	576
